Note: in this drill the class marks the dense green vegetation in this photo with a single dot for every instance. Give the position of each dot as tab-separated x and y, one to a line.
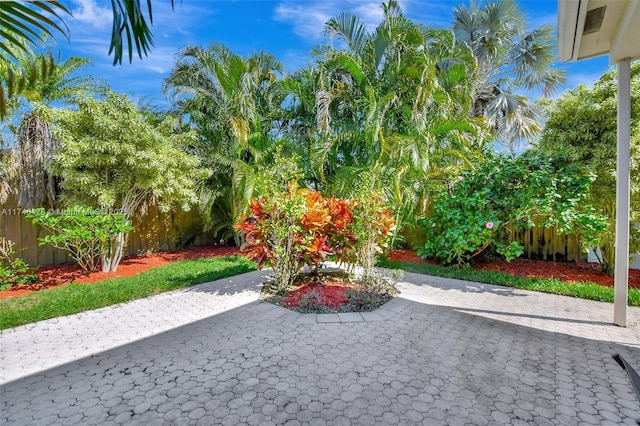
73	298
401	110
581	126
485	206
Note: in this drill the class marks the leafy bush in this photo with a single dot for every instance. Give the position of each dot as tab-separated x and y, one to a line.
13	270
481	205
372	224
88	235
294	228
582	124
290	227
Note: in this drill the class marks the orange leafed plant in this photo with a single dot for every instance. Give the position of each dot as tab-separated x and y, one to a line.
299	227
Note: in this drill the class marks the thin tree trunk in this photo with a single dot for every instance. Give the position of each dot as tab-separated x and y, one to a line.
112	258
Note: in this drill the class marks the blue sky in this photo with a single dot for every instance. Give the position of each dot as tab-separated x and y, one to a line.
286	28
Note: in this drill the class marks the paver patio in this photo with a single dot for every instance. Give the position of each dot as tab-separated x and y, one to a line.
444	352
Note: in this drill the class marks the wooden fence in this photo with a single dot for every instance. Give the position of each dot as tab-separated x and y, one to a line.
545	244
169	231
156	231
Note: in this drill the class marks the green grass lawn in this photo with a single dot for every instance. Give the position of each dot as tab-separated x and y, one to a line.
74	298
583	290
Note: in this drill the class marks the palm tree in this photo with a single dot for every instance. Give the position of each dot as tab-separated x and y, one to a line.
36	141
233	101
394	103
29	24
509	58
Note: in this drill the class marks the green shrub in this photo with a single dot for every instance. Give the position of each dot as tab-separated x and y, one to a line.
312	303
481	206
13	270
89	235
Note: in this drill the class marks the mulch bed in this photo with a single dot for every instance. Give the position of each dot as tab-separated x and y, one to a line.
331	293
328	292
57	275
566	271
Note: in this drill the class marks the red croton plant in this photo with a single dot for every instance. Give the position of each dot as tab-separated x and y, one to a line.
301	227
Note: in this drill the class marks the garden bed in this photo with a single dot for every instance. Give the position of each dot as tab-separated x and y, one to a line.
57	275
572	272
330	292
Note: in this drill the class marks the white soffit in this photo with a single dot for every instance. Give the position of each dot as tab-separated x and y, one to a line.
618	36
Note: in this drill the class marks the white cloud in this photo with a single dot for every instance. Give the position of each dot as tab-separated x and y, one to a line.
161	60
307	22
308	18
88	12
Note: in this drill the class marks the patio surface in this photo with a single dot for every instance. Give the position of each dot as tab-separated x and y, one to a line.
445	352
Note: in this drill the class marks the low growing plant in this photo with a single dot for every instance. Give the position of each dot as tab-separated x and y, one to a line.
312	303
13	270
87	234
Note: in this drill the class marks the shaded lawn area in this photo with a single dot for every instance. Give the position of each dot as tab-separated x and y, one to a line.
583	290
77	297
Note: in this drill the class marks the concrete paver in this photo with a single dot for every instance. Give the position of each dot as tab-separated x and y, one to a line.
445	352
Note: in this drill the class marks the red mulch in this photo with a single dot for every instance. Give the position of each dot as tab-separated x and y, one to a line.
57	275
566	271
332	293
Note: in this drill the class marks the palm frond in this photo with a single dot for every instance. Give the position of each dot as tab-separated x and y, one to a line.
350	29
31	22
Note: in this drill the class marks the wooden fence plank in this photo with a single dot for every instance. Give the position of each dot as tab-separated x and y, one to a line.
156	231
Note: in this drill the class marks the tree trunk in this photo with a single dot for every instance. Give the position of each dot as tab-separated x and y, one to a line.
112	258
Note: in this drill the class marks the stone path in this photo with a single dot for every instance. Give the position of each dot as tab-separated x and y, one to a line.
445	352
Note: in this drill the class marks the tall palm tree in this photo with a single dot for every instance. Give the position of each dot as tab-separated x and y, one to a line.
36	144
510	58
392	103
233	101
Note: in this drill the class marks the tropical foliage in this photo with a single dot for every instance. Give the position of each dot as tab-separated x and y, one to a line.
395	103
30	23
290	227
112	158
88	235
341	158
64	85
581	125
510	57
232	102
483	207
27	25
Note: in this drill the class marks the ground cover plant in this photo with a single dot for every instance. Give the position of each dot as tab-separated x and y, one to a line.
76	297
332	292
13	270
